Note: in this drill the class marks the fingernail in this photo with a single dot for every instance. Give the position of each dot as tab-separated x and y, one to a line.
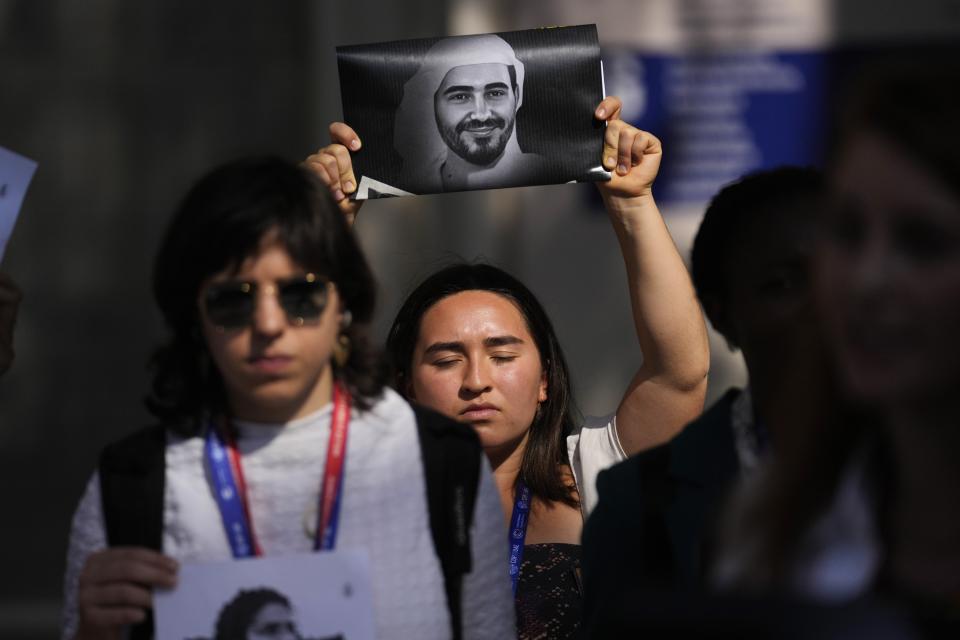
621	169
610	162
354	144
601	112
338	195
348	186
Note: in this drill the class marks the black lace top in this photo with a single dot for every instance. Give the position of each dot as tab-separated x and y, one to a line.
549	593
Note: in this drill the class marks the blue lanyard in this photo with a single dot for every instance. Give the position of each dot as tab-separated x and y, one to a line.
518	531
230	497
230	489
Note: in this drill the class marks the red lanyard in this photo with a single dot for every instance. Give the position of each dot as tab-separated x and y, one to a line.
332	488
229	480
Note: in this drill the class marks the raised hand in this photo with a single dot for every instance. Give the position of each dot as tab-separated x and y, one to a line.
630	154
332	164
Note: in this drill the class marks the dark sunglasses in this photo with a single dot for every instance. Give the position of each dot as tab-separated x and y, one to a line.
230	305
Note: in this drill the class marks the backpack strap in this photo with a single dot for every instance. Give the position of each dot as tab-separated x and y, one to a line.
451	460
131	487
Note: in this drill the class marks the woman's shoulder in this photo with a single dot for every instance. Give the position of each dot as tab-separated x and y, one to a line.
390	408
140	447
596	437
591	448
157	445
386	409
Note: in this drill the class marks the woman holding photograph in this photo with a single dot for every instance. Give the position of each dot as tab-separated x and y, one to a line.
277	435
472	342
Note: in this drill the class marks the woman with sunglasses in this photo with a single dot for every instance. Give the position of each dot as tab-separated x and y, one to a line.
268	392
473	343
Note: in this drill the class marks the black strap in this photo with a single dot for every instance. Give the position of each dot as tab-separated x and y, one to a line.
131	488
451	461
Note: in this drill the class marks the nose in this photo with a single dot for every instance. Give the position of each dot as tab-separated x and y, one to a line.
480	108
476	377
269	318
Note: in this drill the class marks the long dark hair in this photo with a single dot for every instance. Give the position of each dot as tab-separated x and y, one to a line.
546	449
220	223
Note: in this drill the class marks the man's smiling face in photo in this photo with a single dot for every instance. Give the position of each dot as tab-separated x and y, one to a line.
475	108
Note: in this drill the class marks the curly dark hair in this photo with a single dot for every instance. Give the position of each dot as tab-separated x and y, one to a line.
546	448
219	224
236	616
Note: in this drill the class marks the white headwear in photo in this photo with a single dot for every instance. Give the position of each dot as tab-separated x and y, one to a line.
416	137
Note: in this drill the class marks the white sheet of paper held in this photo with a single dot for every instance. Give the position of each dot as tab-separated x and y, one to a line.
15	175
326	595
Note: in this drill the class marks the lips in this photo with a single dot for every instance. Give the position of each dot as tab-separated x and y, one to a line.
271	364
480	127
479	412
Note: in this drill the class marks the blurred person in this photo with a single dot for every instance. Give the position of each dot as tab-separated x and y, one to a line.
474	343
751	264
267	382
10	297
881	513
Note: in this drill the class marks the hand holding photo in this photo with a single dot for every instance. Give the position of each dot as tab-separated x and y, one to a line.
474	112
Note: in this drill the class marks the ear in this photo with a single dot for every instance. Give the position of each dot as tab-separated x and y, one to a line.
542	392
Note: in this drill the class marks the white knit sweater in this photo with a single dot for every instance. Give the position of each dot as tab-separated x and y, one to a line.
383	512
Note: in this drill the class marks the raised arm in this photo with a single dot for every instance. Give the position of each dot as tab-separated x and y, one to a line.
668	390
332	164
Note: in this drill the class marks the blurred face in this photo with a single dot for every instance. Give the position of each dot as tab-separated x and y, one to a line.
475	108
889	276
274	368
768	308
476	362
273	622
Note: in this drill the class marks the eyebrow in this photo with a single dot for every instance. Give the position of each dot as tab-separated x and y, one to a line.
459	347
461	88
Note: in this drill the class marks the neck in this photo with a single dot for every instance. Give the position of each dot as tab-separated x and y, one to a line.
506	464
253	408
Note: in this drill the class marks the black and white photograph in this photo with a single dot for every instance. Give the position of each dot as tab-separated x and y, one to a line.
321	596
474	112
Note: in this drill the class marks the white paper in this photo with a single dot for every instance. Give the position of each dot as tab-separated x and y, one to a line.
15	175
330	595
